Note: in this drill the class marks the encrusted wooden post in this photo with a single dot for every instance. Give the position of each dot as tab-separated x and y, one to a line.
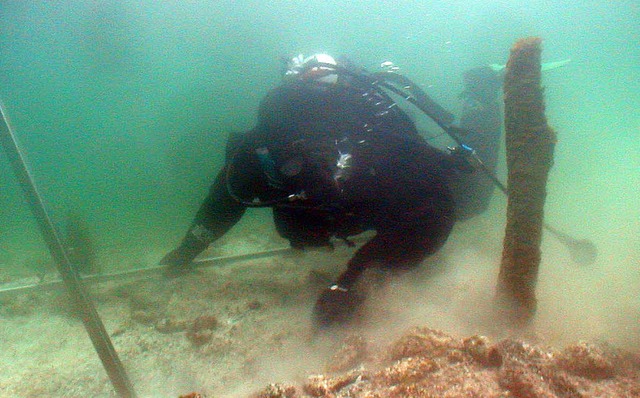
529	144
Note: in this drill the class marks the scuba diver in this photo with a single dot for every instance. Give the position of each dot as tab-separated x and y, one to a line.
481	129
333	155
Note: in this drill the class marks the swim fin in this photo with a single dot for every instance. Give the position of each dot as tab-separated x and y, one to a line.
545	66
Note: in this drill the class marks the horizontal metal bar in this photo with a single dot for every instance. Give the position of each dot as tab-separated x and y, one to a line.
142	272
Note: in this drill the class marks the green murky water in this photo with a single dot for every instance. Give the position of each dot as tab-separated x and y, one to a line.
122	109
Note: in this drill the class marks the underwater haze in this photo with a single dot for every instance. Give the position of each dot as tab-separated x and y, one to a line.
123	108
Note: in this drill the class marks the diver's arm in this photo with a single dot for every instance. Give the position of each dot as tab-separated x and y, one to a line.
217	214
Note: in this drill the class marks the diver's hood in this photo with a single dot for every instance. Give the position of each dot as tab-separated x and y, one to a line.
316	67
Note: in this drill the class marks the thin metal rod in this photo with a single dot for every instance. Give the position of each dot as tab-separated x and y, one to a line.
144	272
90	318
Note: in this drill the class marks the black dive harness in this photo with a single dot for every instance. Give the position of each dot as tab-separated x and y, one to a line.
374	88
583	249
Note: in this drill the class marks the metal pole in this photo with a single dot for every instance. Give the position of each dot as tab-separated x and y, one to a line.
83	304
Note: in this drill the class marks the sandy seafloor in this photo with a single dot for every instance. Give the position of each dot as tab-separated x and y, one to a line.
259	312
262	332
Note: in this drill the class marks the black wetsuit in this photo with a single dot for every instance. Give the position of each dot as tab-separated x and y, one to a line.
482	118
390	180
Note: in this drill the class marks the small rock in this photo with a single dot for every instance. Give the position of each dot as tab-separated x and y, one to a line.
321	386
524	381
204	322
277	390
480	349
586	360
193	395
200	332
408	370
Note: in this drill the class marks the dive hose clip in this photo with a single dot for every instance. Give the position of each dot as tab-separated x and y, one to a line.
464	157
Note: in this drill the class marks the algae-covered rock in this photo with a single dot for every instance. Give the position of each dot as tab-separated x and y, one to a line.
424	342
426	362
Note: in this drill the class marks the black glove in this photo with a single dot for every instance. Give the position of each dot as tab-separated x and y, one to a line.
178	261
336	305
